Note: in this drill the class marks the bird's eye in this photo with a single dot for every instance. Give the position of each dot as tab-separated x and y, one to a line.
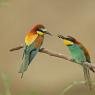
71	39
42	30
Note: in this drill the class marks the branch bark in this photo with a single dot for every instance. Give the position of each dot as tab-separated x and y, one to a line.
16	48
54	54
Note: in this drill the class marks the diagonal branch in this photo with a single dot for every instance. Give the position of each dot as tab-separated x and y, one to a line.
59	55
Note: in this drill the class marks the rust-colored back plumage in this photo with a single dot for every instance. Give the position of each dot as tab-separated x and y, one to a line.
35	27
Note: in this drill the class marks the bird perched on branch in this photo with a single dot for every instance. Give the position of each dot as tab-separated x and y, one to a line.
33	41
80	55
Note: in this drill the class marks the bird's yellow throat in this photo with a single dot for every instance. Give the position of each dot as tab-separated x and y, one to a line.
40	33
67	42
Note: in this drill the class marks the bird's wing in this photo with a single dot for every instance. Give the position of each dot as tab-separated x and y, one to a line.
88	59
85	52
87	76
28	57
30	38
29	53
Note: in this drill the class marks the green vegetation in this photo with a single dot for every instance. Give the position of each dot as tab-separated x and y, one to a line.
75	83
3	2
7	84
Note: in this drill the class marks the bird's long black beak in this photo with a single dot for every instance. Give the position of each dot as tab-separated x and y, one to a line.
60	36
48	33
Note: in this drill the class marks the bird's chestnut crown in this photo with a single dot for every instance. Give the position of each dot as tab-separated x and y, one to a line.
70	38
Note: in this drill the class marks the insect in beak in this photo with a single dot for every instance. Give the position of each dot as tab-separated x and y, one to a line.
60	36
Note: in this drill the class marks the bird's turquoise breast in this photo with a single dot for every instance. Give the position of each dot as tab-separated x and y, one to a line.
77	53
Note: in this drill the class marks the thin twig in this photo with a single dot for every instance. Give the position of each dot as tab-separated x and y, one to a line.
16	48
59	55
66	89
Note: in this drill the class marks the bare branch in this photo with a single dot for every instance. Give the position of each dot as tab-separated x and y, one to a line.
46	51
59	55
54	54
16	48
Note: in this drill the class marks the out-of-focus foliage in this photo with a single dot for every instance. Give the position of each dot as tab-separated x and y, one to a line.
7	83
75	83
3	2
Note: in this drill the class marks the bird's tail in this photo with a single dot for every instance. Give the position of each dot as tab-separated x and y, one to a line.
87	76
24	65
27	58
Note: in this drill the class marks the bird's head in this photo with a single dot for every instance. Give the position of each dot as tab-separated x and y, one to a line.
69	40
41	30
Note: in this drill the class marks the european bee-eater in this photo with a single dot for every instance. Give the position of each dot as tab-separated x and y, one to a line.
79	54
33	42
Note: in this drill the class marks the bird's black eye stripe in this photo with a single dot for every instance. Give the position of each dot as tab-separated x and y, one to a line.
71	39
40	30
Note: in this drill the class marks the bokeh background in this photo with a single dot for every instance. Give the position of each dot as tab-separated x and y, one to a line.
46	75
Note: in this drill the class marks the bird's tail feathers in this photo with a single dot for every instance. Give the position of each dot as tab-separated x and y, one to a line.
27	58
24	65
87	76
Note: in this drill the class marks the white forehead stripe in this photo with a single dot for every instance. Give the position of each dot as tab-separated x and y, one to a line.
43	29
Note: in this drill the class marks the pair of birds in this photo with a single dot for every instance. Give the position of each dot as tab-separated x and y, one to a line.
34	40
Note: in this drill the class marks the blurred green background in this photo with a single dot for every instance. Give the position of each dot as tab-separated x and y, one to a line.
46	75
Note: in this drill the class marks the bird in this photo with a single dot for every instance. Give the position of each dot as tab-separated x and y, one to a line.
33	42
80	55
